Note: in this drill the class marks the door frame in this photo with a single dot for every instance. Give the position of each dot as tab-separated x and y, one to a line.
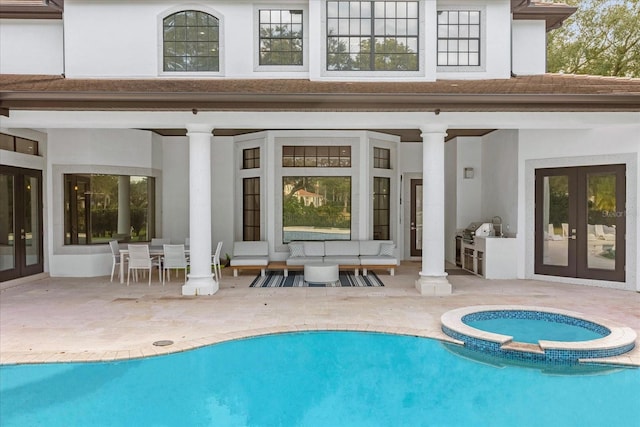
21	269
577	265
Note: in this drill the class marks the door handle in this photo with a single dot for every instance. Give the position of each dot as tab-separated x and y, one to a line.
23	235
573	234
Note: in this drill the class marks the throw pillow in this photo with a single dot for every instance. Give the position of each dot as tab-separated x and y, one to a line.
296	249
387	249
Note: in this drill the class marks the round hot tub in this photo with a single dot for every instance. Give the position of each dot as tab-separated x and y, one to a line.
534	334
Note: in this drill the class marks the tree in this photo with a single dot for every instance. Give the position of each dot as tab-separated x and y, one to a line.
601	38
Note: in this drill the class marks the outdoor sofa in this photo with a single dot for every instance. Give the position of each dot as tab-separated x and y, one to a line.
356	254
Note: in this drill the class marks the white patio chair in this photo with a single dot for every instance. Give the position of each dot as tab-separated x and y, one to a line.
174	258
115	254
215	261
139	259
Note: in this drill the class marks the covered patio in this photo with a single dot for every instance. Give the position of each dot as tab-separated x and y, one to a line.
88	319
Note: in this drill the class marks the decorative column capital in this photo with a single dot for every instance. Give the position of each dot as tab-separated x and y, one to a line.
199	128
433	129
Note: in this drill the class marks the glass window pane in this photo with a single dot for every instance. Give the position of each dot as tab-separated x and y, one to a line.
316	208
555	214
601	215
6	142
7	226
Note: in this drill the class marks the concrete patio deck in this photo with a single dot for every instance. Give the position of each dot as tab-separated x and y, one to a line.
83	319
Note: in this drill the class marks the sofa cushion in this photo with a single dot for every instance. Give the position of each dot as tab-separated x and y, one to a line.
296	249
314	249
378	260
342	260
260	248
342	248
304	260
371	247
249	260
387	249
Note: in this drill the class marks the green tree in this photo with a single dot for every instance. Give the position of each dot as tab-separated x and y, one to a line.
601	38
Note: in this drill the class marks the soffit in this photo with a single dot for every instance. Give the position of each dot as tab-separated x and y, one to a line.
554	14
406	135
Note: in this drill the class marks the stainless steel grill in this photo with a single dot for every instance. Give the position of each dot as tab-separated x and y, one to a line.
480	229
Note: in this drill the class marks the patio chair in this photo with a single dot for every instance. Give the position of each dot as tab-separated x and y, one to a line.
159	242
115	255
215	261
174	258
139	259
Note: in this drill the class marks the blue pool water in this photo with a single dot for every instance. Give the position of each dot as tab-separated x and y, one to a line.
534	330
313	379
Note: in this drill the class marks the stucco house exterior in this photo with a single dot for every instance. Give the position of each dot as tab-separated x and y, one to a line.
432	114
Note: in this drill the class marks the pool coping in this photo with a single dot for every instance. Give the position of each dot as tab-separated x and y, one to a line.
620	335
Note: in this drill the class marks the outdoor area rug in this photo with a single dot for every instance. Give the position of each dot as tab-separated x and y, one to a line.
275	279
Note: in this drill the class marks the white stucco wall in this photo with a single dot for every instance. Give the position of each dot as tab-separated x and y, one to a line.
175	188
126	42
109	151
529	47
31	46
499	195
567	148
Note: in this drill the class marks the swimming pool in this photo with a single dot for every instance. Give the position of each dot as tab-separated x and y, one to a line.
312	379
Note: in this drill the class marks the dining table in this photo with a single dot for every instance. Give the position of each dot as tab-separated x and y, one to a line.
154	251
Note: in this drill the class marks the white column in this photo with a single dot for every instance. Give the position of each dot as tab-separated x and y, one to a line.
124	203
200	279
433	278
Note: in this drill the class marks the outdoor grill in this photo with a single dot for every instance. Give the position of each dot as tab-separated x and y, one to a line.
481	229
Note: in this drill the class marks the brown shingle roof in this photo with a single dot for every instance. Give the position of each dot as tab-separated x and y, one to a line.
549	92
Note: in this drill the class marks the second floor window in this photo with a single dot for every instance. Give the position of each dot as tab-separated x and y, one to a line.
191	42
280	37
372	35
459	37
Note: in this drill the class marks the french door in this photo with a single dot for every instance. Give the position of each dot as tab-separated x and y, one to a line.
416	218
21	252
580	222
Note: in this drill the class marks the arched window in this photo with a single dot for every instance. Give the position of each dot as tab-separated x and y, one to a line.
191	42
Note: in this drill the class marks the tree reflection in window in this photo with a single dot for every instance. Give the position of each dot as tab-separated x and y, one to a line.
372	35
191	42
99	208
316	208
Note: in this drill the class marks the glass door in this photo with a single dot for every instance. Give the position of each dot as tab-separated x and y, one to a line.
21	252
580	222
416	217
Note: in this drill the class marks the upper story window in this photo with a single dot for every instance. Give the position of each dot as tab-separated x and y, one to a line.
281	37
458	38
17	144
372	35
191	42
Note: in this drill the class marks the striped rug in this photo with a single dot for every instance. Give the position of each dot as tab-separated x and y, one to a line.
275	279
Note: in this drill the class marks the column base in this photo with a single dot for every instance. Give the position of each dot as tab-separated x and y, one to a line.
200	286
433	285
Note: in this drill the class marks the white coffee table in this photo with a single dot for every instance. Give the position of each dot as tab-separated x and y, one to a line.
321	273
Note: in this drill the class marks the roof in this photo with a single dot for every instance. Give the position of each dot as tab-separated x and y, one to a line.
548	92
31	9
554	14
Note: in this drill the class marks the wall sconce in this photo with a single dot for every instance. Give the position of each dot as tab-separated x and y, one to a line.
468	173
